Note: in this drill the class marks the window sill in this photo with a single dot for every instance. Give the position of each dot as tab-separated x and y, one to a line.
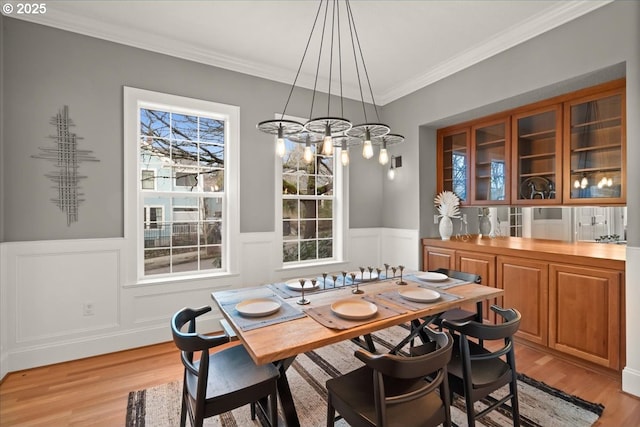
180	279
333	265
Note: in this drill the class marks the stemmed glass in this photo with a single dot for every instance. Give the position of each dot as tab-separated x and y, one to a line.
394	271
378	271
344	279
357	290
361	273
302	300
324	280
401	282
335	280
386	271
370	272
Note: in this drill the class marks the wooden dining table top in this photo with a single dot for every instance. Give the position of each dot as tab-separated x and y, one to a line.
287	339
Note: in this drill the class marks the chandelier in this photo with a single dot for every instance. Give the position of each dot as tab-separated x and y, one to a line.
333	130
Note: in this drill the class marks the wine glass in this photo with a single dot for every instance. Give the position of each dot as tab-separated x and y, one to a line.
401	282
357	290
303	300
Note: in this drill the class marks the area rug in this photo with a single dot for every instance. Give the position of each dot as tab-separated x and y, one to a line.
540	404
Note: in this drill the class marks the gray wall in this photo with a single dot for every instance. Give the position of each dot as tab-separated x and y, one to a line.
44	69
583	52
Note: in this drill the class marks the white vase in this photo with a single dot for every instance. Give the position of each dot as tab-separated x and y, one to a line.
445	227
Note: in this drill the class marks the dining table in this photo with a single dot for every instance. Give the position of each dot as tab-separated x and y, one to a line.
293	323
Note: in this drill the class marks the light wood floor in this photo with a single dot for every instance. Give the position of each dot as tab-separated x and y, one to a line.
93	391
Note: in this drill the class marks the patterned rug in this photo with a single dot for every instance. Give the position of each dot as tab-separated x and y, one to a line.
540	404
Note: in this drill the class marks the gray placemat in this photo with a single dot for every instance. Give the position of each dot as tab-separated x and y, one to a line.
445	284
395	298
228	300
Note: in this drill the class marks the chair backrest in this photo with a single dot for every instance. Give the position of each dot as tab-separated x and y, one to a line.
469	277
191	341
408	373
487	331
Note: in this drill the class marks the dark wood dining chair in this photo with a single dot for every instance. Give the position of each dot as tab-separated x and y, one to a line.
476	371
220	381
392	390
459	314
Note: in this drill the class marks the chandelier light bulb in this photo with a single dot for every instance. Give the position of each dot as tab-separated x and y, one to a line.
280	148
367	150
327	142
308	155
344	154
576	183
383	158
391	174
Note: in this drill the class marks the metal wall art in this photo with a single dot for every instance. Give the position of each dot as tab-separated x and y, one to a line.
66	156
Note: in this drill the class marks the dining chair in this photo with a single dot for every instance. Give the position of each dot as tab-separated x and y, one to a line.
391	390
459	314
476	371
219	381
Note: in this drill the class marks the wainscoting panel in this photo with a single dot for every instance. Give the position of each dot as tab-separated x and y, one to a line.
631	372
69	299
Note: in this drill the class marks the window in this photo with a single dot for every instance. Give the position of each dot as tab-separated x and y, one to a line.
459	165
148	179
311	223
184	152
497	180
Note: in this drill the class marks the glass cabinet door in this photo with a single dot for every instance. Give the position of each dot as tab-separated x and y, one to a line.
595	149
490	173
453	162
537	156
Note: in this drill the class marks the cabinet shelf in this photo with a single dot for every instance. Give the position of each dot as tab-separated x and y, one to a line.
600	169
537	156
490	143
596	148
527	175
543	134
600	122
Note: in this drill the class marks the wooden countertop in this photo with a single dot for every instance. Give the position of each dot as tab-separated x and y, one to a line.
584	253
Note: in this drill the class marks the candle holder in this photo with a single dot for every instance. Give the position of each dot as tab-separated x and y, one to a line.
370	272
344	278
401	282
393	269
334	277
378	271
357	290
386	271
324	280
361	274
303	300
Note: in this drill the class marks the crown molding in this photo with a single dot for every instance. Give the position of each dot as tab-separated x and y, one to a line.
512	36
506	39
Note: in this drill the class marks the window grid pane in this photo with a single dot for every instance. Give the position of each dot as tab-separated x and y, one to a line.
183	191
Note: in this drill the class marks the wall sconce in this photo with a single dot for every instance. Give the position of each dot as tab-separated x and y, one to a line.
396	162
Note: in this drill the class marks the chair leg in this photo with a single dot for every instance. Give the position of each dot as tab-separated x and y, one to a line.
183	411
331	412
273	407
253	410
515	407
471	415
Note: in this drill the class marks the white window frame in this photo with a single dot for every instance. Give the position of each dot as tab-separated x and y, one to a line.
340	213
134	99
153	181
147	216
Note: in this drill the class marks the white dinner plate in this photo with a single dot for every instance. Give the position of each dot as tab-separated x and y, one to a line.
432	277
354	309
367	277
258	307
295	284
419	294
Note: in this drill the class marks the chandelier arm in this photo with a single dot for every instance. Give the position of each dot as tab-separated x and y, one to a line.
315	83
364	65
333	31
304	54
355	57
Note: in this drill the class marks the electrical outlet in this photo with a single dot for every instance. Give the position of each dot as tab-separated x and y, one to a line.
435	218
87	308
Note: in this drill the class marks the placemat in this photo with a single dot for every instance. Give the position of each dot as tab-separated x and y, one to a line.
228	304
395	298
323	314
445	284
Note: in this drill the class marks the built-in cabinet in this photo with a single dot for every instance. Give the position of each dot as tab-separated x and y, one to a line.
570	295
570	149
